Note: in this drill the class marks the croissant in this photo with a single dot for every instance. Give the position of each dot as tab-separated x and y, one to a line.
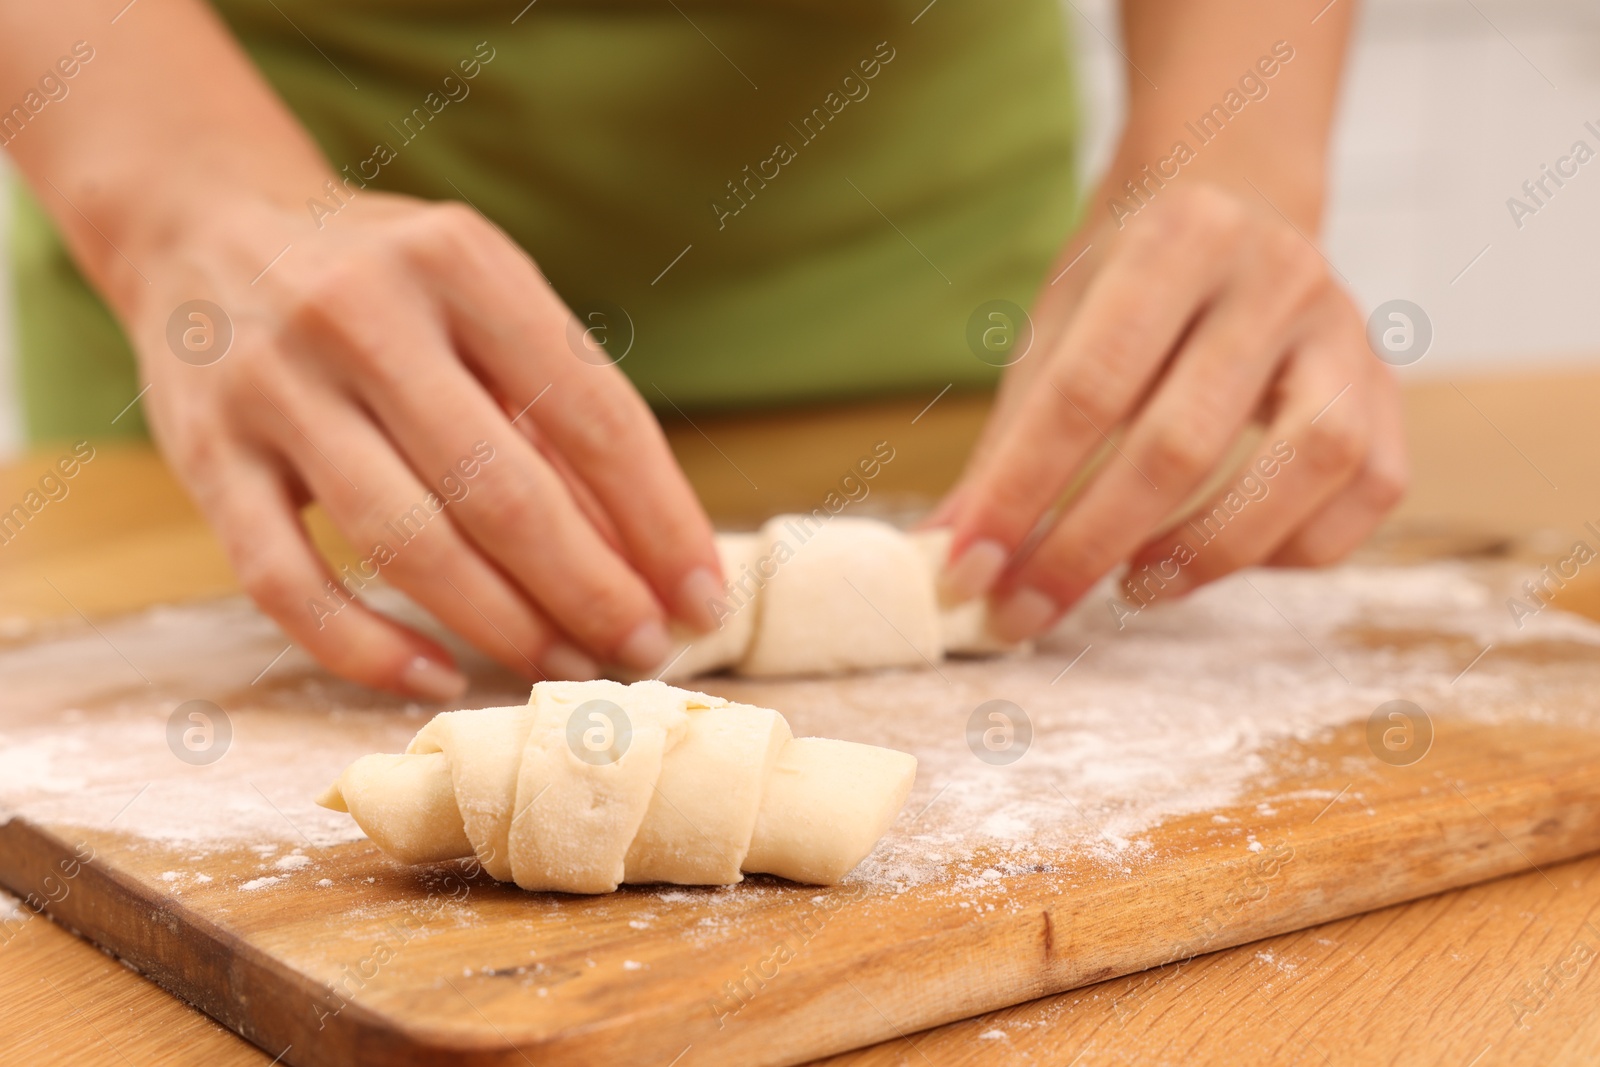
821	594
593	784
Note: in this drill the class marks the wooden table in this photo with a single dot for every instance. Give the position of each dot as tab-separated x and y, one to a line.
1490	974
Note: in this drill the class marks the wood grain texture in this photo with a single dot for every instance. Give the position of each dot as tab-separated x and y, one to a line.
67	1002
1498	493
384	964
1444	979
1499	974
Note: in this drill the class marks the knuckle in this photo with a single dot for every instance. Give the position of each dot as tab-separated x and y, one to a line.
279	411
195	444
332	311
1335	444
1092	391
1012	499
1298	269
1181	450
1386	486
430	554
324	295
374	526
1294	253
1210	215
269	582
446	231
1224	219
265	402
456	220
598	610
609	425
508	509
1200	223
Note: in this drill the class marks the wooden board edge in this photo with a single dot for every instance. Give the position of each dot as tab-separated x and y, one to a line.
1028	956
1487	838
204	964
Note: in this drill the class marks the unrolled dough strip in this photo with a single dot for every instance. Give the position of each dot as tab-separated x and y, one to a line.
824	595
566	795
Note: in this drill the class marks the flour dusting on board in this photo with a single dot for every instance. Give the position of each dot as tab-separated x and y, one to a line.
1172	713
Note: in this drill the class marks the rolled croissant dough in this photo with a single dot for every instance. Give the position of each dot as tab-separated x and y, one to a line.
850	594
680	787
809	594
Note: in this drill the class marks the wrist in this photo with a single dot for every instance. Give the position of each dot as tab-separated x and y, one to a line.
1288	180
133	227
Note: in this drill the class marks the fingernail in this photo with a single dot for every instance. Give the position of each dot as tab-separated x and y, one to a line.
564	663
1024	614
698	598
974	572
432	680
646	647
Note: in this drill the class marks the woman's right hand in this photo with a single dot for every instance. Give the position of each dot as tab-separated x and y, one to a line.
375	353
407	354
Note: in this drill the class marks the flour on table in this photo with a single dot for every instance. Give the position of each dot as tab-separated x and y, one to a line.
1175	713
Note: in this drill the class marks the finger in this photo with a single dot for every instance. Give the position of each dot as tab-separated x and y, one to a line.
582	495
1309	456
588	504
516	331
1132	316
405	533
1349	517
519	511
277	566
1182	434
1051	313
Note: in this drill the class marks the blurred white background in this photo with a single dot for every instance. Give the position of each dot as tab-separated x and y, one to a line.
1450	105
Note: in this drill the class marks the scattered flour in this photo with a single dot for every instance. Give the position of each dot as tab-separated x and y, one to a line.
1174	714
1276	963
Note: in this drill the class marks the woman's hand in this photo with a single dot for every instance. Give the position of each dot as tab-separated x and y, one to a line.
1207	310
403	363
408	367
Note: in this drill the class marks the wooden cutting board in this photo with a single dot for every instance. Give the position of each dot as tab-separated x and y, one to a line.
1197	776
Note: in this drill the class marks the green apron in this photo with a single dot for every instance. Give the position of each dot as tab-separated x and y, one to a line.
788	200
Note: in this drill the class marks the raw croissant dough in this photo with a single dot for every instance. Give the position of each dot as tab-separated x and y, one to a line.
702	790
807	596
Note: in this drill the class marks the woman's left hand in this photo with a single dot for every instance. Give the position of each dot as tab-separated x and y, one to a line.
1206	311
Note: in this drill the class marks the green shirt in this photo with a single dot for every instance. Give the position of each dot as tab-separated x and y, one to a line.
786	199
